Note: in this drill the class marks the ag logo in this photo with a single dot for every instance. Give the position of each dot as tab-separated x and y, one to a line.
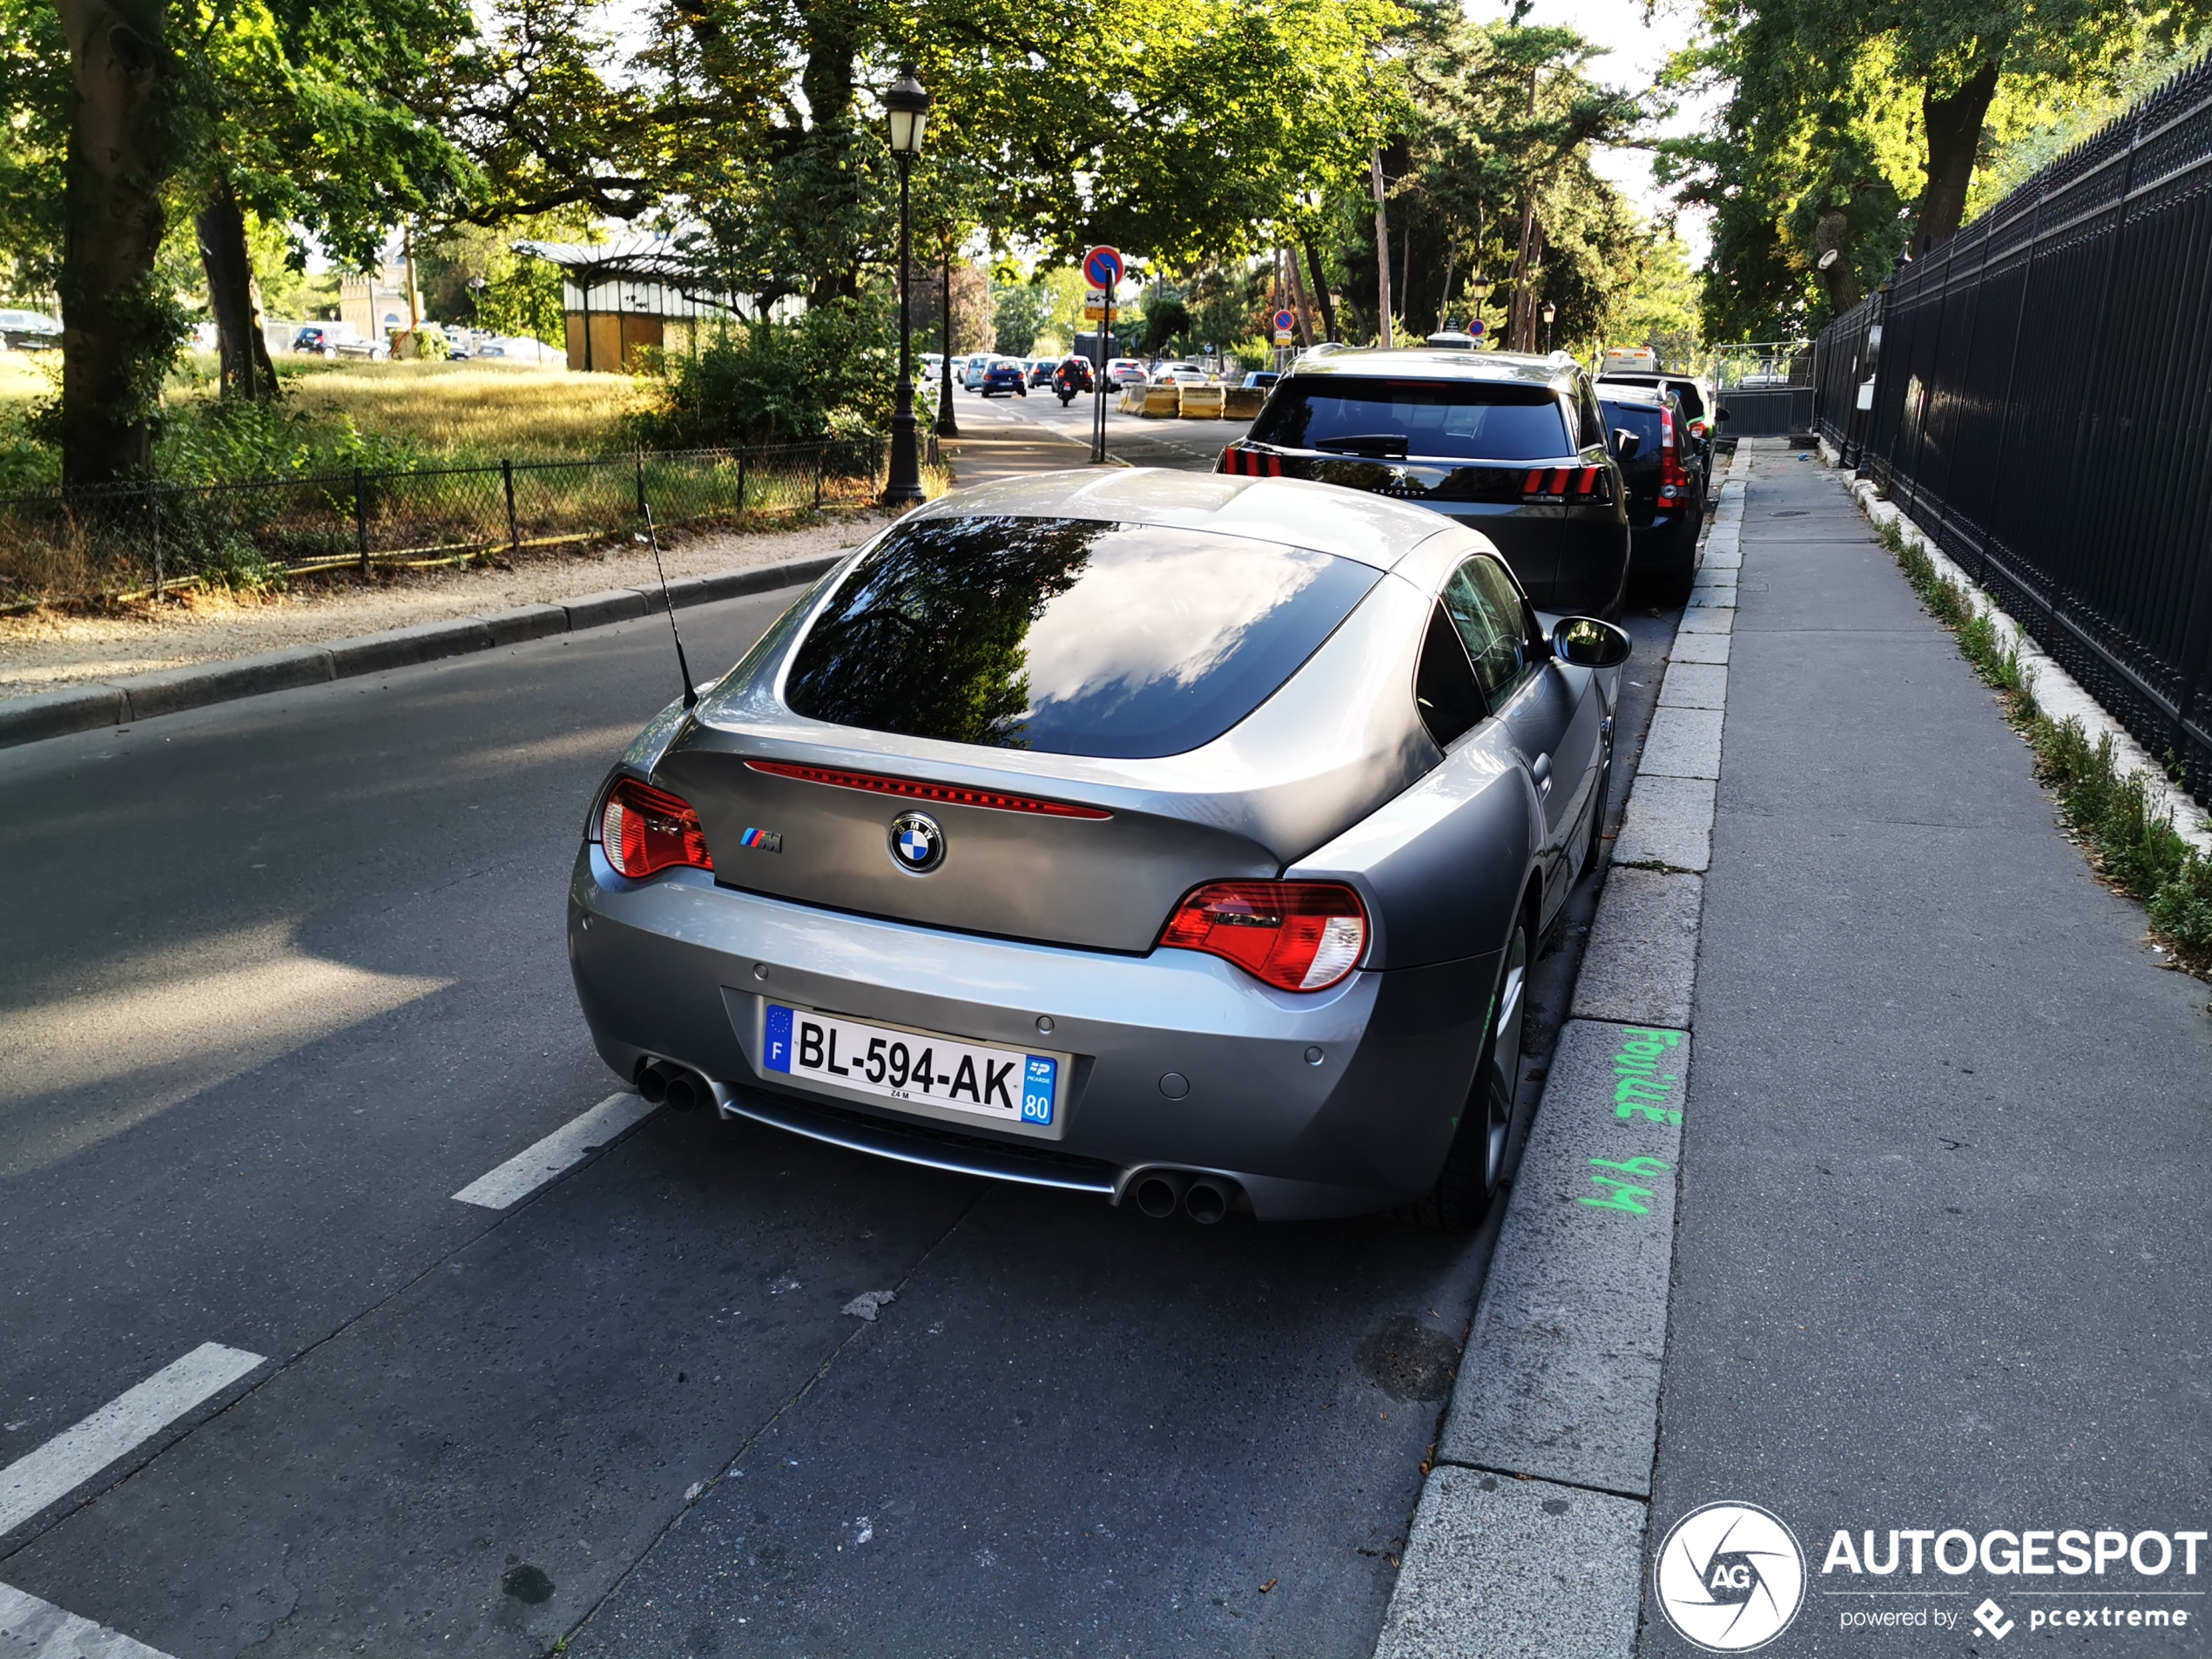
1730	1577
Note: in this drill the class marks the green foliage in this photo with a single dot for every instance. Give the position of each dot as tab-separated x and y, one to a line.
831	373
1167	321
1860	127
1019	314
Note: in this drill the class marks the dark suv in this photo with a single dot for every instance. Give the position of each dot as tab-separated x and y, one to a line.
1514	446
1663	471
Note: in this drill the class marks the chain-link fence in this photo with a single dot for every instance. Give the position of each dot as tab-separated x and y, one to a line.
124	540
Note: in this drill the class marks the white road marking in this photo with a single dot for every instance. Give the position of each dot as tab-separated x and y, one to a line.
30	1629
563	1149
75	1455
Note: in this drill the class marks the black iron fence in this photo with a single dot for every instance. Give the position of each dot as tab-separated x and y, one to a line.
2041	405
131	538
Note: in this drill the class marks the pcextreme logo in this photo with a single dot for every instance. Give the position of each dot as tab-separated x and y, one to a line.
1730	1577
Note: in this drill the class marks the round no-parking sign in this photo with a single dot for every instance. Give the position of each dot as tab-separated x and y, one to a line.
1102	268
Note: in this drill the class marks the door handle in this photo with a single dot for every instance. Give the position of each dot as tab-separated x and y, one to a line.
1541	771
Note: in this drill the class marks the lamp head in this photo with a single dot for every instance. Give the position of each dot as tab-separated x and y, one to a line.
1550	311
907	105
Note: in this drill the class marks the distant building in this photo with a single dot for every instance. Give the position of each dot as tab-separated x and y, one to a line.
376	301
621	298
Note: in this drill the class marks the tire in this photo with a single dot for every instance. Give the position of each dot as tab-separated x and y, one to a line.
1468	1182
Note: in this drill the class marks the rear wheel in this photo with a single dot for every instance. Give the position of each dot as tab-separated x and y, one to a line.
1468	1181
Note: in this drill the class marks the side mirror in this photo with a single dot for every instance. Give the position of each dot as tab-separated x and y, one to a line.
1626	444
1588	643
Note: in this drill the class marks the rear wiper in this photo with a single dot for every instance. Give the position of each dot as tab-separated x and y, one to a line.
1391	444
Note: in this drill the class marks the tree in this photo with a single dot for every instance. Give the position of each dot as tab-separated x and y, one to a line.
1852	134
117	326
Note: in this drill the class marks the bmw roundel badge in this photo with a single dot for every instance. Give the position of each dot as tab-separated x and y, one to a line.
917	844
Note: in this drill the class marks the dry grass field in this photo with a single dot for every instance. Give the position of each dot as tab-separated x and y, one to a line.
469	410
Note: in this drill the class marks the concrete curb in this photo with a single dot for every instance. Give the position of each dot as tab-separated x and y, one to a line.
1529	1539
141	697
2056	692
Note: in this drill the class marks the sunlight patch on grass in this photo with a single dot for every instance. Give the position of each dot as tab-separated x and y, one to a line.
469	411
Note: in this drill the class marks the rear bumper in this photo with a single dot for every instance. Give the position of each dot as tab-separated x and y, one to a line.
673	968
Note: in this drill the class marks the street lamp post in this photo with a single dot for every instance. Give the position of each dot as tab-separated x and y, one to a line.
909	106
1551	310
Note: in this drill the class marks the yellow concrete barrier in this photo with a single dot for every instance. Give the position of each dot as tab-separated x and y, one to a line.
1244	402
1162	400
1204	402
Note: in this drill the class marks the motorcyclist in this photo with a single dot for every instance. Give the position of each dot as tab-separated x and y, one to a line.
1072	376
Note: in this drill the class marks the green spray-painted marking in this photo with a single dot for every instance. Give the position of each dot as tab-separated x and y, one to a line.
1640	1088
1620	1193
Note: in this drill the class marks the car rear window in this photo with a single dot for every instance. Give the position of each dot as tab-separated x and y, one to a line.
1068	636
1461	419
1639	418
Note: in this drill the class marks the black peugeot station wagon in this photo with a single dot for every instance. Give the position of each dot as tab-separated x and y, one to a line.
1509	445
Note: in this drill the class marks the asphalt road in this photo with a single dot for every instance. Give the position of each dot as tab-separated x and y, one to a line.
278	977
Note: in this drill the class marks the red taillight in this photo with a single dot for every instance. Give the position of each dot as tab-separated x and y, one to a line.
1249	463
644	830
1557	483
1670	470
1295	935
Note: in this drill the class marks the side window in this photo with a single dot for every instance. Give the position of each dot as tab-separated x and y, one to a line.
1485	608
1593	417
1443	686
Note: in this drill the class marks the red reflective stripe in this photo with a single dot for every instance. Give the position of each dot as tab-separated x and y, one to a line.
1585	477
1558	484
1274	466
1534	484
915	789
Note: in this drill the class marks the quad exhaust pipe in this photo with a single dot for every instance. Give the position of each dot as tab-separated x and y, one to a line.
1205	1198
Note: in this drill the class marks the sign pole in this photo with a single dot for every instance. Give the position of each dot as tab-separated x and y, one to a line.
1102	270
1098	387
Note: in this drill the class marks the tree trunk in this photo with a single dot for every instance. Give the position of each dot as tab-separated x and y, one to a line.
118	327
1303	305
1953	124
1321	290
232	296
1382	252
1520	316
1837	275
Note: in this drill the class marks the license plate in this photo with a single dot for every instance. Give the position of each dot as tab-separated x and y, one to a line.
1007	1085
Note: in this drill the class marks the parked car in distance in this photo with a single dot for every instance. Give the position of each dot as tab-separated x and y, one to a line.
1040	370
1664	474
23	330
971	373
1512	445
1260	377
1178	374
1123	834
322	339
1697	405
1007	375
1124	371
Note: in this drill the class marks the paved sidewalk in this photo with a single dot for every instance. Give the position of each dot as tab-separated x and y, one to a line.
1941	1246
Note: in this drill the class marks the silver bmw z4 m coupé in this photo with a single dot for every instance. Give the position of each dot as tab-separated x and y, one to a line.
1166	836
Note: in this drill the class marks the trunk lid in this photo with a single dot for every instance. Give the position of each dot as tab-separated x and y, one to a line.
1020	856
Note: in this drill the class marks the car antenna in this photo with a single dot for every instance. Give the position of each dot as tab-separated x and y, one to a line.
652	535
